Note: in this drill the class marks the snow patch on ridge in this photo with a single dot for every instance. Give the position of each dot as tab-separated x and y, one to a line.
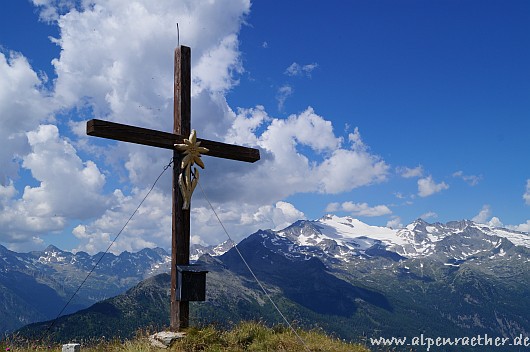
345	228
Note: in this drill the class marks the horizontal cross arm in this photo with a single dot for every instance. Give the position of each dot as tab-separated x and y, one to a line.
154	138
132	134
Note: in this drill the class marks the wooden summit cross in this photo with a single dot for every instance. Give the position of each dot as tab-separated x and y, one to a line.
180	243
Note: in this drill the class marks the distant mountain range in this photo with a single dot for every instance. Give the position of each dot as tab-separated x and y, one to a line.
351	279
35	286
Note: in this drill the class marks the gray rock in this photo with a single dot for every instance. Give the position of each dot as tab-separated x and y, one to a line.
165	339
71	347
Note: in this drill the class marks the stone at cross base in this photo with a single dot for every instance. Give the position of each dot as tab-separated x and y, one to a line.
165	339
71	347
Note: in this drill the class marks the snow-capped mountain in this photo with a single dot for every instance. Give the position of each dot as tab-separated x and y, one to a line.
144	263
344	238
338	238
197	250
35	286
447	279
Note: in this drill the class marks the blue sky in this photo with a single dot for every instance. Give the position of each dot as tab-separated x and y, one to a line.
386	111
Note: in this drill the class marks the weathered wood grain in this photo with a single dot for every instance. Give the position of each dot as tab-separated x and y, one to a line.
166	140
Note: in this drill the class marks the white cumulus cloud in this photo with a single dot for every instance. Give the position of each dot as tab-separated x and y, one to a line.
472	180
394	223
360	209
524	227
23	105
284	92
484	217
286	167
67	188
50	10
150	227
116	62
407	172
241	221
427	186
429	215
296	69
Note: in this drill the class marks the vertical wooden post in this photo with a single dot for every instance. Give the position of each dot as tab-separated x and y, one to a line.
180	239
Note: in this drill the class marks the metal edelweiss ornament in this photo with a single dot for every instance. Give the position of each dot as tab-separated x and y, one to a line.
192	151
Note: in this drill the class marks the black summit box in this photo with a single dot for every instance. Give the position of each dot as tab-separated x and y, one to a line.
191	283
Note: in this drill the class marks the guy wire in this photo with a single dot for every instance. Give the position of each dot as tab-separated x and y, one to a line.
252	272
108	248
